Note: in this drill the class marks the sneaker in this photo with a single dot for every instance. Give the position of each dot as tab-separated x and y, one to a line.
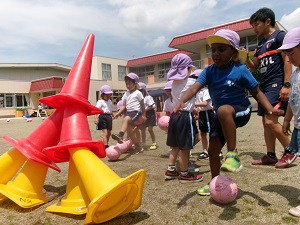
118	138
192	168
137	150
265	160
286	160
189	178
221	156
153	146
203	155
204	191
167	154
170	175
232	163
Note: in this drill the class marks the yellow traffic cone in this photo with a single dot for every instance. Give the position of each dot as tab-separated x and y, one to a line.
27	188
110	195
10	163
76	199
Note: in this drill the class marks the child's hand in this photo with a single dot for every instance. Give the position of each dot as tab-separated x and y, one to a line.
178	106
286	129
96	121
115	116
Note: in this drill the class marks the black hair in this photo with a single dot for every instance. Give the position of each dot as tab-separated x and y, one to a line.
129	79
262	15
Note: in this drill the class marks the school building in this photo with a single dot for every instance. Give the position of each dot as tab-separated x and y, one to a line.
22	85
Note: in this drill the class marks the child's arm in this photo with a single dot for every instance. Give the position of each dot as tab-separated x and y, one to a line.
252	65
287	120
264	102
202	104
121	110
143	108
188	94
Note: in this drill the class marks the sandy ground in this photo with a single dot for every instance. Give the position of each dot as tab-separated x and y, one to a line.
265	193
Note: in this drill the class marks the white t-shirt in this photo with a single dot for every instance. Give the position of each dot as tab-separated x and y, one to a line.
178	89
133	100
148	101
202	96
168	106
295	97
106	106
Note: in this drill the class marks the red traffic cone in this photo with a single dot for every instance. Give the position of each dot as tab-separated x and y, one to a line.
47	134
76	88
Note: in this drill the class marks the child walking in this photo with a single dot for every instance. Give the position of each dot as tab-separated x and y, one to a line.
104	121
227	80
151	117
133	103
291	47
182	127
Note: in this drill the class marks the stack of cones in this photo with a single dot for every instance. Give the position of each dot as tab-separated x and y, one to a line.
92	187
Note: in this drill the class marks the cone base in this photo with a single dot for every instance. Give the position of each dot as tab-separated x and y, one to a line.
118	197
23	198
76	207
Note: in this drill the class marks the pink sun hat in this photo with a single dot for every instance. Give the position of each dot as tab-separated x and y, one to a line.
105	89
179	67
291	39
168	85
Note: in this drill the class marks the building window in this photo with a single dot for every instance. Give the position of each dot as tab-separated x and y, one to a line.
1	100
121	73
106	71
163	69
143	72
14	100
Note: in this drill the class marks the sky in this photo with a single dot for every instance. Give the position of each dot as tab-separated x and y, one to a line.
53	31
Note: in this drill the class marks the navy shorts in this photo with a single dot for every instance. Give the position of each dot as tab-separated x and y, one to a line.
151	119
105	122
134	115
242	117
182	130
205	120
272	94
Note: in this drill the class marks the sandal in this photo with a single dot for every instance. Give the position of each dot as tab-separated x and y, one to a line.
203	155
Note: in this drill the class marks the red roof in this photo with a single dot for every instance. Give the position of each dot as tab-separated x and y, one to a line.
203	34
155	58
47	84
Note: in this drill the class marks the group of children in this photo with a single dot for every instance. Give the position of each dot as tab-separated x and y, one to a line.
189	92
226	79
138	110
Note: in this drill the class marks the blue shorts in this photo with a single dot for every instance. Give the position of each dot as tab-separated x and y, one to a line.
205	120
105	122
242	117
182	130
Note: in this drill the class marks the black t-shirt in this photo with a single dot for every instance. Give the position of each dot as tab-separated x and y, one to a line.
271	62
